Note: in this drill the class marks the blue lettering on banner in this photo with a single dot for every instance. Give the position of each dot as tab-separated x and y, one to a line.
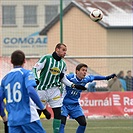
14	40
26	40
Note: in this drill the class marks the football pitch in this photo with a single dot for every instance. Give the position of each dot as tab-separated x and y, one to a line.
93	126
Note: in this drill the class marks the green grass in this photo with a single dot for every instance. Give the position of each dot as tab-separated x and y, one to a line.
93	126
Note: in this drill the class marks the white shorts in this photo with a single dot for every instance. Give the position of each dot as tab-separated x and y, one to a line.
51	96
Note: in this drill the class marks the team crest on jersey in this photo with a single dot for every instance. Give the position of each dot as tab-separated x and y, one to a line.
55	70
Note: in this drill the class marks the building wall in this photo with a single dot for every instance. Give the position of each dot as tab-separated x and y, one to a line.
120	43
84	37
21	31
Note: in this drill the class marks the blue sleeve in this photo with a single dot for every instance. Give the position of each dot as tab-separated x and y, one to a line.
30	79
69	76
2	112
99	77
34	96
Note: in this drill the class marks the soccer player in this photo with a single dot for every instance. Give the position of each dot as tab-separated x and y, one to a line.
21	97
71	105
3	116
51	77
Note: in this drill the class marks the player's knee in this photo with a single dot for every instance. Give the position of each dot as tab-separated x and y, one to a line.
83	123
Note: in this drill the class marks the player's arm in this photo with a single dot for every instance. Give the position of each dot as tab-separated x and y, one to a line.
39	66
71	84
104	77
2	113
30	83
34	96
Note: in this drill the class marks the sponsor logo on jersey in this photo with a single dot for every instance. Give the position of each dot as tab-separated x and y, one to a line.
55	70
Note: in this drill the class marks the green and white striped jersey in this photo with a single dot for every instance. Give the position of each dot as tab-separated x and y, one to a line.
50	72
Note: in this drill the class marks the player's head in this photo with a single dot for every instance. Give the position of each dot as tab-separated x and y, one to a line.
18	58
61	49
129	73
81	70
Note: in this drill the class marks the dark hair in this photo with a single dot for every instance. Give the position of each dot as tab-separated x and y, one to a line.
79	66
119	75
59	45
128	71
17	58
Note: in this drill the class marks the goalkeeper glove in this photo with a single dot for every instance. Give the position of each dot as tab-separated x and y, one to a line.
110	76
79	87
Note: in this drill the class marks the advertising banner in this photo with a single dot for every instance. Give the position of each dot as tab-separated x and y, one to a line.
107	103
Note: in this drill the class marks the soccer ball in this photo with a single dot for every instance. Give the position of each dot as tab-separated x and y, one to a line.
96	15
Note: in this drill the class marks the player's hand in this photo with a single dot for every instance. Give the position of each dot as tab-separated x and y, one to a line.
37	81
79	87
47	114
110	76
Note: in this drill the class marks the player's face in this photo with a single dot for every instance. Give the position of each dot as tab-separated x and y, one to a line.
81	73
61	51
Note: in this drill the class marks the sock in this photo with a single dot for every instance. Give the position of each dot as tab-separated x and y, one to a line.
81	129
56	125
62	126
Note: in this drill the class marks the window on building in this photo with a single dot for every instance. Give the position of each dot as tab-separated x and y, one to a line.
30	15
50	12
8	15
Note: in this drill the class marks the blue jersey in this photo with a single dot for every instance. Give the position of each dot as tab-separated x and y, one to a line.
21	109
72	95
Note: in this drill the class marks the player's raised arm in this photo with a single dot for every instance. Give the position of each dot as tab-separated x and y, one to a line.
104	77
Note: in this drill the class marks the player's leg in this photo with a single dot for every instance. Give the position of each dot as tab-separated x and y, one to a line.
64	114
33	127
5	127
55	101
57	119
43	96
5	124
82	124
63	123
76	113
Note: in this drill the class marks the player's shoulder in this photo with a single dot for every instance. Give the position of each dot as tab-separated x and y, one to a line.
63	61
26	71
70	75
46	56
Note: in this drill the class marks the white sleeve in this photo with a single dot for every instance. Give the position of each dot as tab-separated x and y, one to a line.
39	66
66	81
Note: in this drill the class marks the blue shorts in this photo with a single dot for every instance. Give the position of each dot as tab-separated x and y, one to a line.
73	111
33	127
